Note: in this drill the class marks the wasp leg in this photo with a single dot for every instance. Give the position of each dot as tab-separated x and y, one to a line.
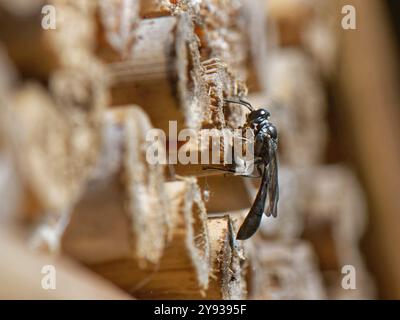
219	169
259	175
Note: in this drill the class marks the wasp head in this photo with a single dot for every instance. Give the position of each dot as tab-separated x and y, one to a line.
257	117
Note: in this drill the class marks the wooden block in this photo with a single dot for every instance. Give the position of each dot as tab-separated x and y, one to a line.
225	193
209	152
163	74
221	83
228	270
219	28
116	28
183	271
56	126
59	149
37	52
124	211
158	8
219	25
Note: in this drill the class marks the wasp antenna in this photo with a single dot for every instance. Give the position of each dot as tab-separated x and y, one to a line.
241	102
247	103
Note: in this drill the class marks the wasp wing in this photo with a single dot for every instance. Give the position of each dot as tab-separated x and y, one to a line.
269	187
273	184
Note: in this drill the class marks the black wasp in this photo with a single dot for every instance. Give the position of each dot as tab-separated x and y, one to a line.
266	165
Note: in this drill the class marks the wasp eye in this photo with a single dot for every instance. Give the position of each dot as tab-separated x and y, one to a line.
264	113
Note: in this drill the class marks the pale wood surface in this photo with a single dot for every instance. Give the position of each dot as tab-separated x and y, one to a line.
183	270
227	261
21	275
368	85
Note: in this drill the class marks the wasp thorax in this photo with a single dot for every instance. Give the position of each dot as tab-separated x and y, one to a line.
273	133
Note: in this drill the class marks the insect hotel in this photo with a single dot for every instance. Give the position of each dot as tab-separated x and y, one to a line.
91	92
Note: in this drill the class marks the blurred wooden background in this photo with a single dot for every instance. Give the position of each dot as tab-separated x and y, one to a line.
76	189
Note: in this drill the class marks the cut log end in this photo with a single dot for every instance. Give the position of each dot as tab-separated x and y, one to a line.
190	217
183	269
116	23
227	260
133	211
54	164
146	198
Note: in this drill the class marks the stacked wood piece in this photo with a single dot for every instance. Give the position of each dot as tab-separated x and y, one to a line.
228	261
57	124
149	237
36	51
163	73
123	197
183	269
